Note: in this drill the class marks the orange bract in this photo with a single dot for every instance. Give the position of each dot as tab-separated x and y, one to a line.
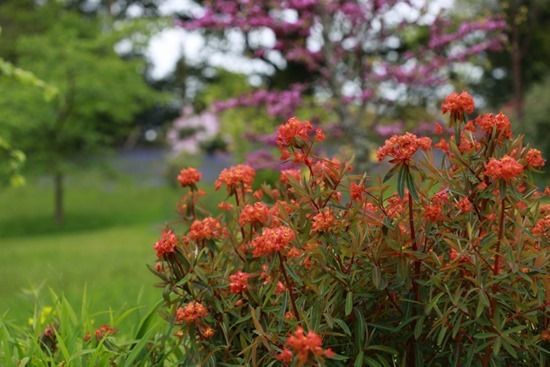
238	282
189	177
206	229
505	168
272	240
191	312
500	122
534	158
235	177
401	148
167	243
457	104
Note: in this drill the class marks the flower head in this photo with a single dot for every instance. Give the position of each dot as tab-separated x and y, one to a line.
534	158
464	205
458	104
235	177
104	331
189	177
542	228
500	122
257	213
166	244
272	240
401	148
505	168
304	345
294	133
323	221
289	175
191	312
206	229
238	282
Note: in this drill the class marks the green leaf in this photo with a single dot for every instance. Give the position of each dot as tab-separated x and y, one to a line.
359	359
349	303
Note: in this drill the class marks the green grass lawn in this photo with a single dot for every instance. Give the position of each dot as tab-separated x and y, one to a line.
105	244
110	263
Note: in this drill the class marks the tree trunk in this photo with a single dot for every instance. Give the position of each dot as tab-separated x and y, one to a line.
59	211
516	72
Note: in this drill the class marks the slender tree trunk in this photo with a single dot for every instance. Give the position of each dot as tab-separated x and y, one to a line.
59	210
516	72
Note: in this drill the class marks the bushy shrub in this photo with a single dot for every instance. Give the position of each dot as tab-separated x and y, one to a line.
439	263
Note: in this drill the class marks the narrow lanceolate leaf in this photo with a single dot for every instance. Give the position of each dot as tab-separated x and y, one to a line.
349	303
401	181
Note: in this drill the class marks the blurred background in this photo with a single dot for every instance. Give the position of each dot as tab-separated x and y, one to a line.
102	102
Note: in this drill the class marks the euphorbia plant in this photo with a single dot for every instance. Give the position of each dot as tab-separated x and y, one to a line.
442	262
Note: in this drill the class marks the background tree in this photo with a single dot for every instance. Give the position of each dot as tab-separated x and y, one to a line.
99	94
361	59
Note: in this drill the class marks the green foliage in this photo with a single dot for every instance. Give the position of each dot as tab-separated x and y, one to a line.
536	122
11	162
63	335
98	92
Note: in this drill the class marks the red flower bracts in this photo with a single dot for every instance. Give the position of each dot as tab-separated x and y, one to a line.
206	229
272	240
167	243
238	282
457	105
236	177
401	148
304	346
191	312
189	177
505	168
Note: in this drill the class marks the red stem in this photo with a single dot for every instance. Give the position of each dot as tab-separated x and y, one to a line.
288	286
496	269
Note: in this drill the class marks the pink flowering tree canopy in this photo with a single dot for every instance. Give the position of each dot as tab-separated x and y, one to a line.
359	58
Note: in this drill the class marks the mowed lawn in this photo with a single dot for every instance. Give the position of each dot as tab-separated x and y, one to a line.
104	246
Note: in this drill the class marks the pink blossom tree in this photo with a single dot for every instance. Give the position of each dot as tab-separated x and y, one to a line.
359	58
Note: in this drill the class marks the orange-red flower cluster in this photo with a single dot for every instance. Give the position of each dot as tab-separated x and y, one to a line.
206	229
166	244
272	240
238	282
433	212
487	122
464	205
534	158
542	227
327	169
189	177
289	175
324	221
257	213
395	206
401	148
191	312
303	346
241	175
104	331
505	168
356	191
457	104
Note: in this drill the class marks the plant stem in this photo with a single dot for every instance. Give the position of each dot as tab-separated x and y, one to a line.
496	268
288	286
414	247
412	346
